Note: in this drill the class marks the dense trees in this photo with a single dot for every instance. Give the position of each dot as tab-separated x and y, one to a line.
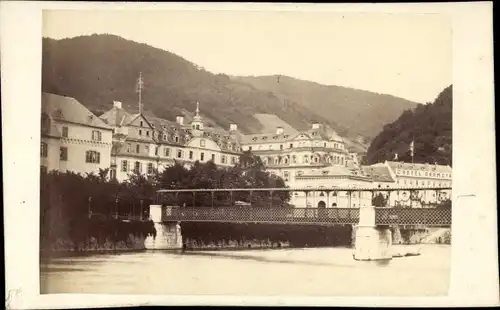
429	125
68	198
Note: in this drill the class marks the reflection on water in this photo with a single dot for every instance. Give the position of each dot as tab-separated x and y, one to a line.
320	271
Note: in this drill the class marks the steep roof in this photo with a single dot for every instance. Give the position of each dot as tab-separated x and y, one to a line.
419	167
378	173
117	117
62	108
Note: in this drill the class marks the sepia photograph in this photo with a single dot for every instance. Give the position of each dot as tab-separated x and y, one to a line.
274	158
246	153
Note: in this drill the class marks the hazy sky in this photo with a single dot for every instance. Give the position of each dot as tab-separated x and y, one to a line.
399	54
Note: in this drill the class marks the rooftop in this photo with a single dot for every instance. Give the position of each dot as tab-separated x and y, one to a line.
68	109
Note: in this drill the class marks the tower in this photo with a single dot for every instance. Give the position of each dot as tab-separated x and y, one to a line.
197	122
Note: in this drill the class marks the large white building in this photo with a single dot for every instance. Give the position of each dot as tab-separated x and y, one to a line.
391	174
144	144
72	137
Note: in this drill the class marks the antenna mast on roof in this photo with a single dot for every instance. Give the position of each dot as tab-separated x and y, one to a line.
140	85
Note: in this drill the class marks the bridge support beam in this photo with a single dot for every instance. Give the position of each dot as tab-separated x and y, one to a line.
371	242
168	235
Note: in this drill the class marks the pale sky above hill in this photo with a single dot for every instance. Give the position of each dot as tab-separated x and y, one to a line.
405	55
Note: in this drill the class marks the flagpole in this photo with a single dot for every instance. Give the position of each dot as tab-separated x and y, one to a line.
413	150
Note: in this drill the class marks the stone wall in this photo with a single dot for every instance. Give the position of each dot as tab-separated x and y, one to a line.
235	244
423	235
93	245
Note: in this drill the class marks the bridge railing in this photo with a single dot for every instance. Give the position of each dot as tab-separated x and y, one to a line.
440	216
262	215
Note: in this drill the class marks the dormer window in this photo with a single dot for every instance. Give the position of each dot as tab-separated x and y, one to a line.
176	139
254	139
202	143
142	123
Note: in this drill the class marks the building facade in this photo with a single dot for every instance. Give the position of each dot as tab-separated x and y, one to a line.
392	174
72	137
143	144
291	154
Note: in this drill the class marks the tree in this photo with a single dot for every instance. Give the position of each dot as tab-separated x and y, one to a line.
429	126
379	200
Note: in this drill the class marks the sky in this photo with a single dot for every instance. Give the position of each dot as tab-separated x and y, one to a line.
405	55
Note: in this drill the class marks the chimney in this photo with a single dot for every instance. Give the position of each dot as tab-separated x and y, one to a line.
179	119
233	127
279	130
315	125
117	104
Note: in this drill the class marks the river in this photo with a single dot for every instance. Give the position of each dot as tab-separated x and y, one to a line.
310	271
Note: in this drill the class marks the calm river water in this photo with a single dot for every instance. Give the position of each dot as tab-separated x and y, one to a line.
312	271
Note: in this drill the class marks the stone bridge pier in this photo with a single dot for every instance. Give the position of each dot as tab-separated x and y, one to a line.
372	242
168	234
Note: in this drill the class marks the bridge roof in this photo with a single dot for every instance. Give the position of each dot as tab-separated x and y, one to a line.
301	189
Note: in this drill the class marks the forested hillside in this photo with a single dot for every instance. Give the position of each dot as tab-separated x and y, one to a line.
98	69
359	111
429	125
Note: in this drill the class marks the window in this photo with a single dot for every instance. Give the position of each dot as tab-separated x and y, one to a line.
43	149
202	142
324	144
176	139
233	160
249	148
150	168
140	132
63	153
166	151
285	175
137	167
190	154
112	174
43	169
291	145
213	157
270	147
281	146
146	148
306	159
65	132
142	123
223	159
96	135
294	159
92	157
197	127
147	133
179	154
164	137
156	150
129	147
202	156
124	166
299	173
137	148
